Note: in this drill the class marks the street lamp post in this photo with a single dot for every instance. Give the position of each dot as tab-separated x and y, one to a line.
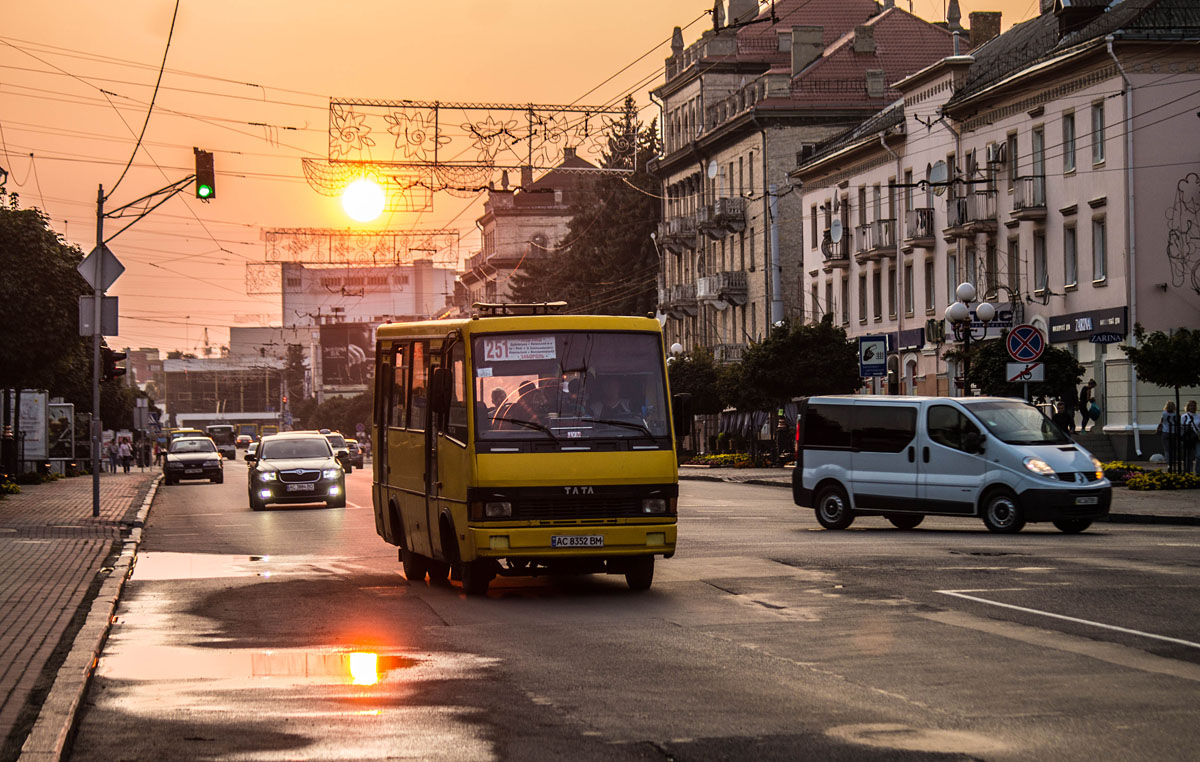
959	316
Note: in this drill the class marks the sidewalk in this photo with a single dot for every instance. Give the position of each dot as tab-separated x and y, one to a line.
51	553
1128	506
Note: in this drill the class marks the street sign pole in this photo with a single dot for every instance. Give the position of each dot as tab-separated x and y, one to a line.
97	424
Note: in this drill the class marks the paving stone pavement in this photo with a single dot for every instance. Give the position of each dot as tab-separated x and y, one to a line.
52	552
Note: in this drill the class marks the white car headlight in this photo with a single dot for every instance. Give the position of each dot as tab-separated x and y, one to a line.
1039	467
268	476
331	473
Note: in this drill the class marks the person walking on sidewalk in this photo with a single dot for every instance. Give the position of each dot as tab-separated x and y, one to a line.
1166	427
112	457
1086	404
125	451
157	454
1063	418
1189	439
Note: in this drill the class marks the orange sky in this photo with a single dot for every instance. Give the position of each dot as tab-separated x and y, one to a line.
234	66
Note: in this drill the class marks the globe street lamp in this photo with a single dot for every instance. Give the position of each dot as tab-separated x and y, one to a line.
959	316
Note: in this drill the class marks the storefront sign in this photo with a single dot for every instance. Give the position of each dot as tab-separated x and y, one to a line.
1084	325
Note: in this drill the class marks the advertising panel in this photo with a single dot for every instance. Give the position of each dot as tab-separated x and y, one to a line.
60	428
347	354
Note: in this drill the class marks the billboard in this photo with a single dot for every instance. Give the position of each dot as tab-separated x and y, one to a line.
347	354
60	430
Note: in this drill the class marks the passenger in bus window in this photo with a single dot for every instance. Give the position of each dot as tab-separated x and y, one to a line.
610	403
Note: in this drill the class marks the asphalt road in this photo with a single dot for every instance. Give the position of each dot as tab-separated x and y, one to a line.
764	638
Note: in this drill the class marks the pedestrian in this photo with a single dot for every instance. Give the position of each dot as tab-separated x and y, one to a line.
112	456
157	454
1166	427
1063	418
1087	407
125	451
1189	438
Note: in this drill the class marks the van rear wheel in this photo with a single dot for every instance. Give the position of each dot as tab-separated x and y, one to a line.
833	508
905	521
1072	526
1001	514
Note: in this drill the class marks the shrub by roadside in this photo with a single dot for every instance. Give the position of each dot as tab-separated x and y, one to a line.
1118	471
1162	480
728	460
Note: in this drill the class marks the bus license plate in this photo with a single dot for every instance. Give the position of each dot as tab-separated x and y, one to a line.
577	541
1093	500
301	487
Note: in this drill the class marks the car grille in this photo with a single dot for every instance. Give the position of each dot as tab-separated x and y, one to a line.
1069	476
554	508
296	476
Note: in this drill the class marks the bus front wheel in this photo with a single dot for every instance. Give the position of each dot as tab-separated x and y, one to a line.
640	573
477	575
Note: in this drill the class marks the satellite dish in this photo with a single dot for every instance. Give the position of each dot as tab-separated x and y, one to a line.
937	178
835	230
712	169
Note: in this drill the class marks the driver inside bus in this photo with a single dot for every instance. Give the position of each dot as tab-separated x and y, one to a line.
610	403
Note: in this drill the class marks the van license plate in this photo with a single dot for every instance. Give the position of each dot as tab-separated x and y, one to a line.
577	541
301	487
1093	500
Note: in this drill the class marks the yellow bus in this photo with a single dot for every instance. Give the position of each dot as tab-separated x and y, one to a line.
520	443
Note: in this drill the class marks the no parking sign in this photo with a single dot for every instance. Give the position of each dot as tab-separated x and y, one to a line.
1025	343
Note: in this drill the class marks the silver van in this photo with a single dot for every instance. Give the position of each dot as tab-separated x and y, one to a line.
906	457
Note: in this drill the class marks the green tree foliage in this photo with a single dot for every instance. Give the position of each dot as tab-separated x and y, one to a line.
989	366
697	374
336	413
799	360
1166	360
607	263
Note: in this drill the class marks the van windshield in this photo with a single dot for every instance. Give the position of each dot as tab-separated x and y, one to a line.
1017	423
570	385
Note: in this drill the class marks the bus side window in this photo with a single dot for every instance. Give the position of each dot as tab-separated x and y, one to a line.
418	392
457	426
399	386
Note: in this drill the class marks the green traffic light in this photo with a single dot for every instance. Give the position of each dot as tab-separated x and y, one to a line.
204	191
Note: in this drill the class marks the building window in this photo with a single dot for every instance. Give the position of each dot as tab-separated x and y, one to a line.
1014	264
816	310
752	239
1070	259
845	301
815	241
750	162
1040	277
829	298
862	205
1098	133
862	298
294	283
754	320
908	290
400	280
877	285
891	300
741	251
930	297
1099	251
908	183
1012	159
1068	142
951	277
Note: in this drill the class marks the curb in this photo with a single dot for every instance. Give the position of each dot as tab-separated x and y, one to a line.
55	723
1112	518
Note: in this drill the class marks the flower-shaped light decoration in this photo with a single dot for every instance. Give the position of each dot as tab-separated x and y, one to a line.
348	133
416	133
489	136
548	132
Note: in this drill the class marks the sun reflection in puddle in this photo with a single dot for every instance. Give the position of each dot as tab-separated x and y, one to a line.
364	669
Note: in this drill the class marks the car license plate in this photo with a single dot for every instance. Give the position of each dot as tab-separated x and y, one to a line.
1093	500
577	541
301	487
193	470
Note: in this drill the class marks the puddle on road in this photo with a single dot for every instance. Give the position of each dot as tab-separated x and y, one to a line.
895	736
344	666
155	566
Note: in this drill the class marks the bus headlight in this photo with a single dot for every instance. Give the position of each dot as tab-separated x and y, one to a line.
268	476
654	505
497	509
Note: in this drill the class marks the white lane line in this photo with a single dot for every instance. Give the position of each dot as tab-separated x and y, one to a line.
958	594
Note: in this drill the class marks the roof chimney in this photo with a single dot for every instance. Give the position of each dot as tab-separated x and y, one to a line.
742	10
864	39
807	46
677	42
526	177
985	26
954	16
876	85
568	153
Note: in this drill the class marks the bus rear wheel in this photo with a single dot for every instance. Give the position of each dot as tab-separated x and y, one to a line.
640	574
415	567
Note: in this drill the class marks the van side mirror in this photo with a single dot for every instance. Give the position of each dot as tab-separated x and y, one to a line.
681	414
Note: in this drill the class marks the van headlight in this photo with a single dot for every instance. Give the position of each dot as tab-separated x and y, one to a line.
654	505
497	509
268	476
1040	467
1099	468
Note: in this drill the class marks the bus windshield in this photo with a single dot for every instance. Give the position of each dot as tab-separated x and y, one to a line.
569	385
222	434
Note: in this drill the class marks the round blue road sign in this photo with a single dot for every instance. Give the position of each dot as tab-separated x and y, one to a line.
1026	343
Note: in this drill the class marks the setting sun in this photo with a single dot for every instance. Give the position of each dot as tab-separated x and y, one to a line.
363	199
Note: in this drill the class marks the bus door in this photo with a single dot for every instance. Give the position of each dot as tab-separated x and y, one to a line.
433	482
381	420
446	444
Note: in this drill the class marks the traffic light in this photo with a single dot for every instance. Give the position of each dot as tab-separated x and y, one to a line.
108	364
206	180
285	399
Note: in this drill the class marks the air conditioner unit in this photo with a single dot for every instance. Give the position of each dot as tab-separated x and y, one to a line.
997	153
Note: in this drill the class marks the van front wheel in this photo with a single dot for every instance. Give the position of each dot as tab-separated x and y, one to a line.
833	508
1001	514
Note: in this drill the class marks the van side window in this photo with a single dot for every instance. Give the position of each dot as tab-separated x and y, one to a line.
884	428
828	426
947	426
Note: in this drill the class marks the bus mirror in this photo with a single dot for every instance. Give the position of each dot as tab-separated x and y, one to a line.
681	413
440	391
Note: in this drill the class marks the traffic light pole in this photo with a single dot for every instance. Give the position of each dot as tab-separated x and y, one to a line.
96	317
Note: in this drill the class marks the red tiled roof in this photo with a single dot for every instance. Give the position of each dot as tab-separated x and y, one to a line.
903	44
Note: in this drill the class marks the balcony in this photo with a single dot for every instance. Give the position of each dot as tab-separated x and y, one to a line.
837	255
678	234
728	352
918	228
874	240
1029	198
706	222
722	289
681	301
970	214
730	214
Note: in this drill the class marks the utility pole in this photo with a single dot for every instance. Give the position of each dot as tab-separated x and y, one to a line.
98	296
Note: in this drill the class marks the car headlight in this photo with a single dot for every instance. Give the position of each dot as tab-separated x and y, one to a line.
1099	468
1039	467
268	476
497	509
331	473
212	463
654	505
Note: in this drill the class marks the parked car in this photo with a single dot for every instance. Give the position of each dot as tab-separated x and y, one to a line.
904	458
295	467
338	442
356	453
192	458
243	441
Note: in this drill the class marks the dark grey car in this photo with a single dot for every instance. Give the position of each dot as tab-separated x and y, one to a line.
192	458
295	468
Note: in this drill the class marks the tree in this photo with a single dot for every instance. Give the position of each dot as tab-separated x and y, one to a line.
607	263
797	360
989	366
697	375
1167	360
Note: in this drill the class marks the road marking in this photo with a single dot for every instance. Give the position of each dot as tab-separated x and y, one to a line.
960	594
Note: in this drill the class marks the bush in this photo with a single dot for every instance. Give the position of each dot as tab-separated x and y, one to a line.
9	488
1162	480
1120	471
732	460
